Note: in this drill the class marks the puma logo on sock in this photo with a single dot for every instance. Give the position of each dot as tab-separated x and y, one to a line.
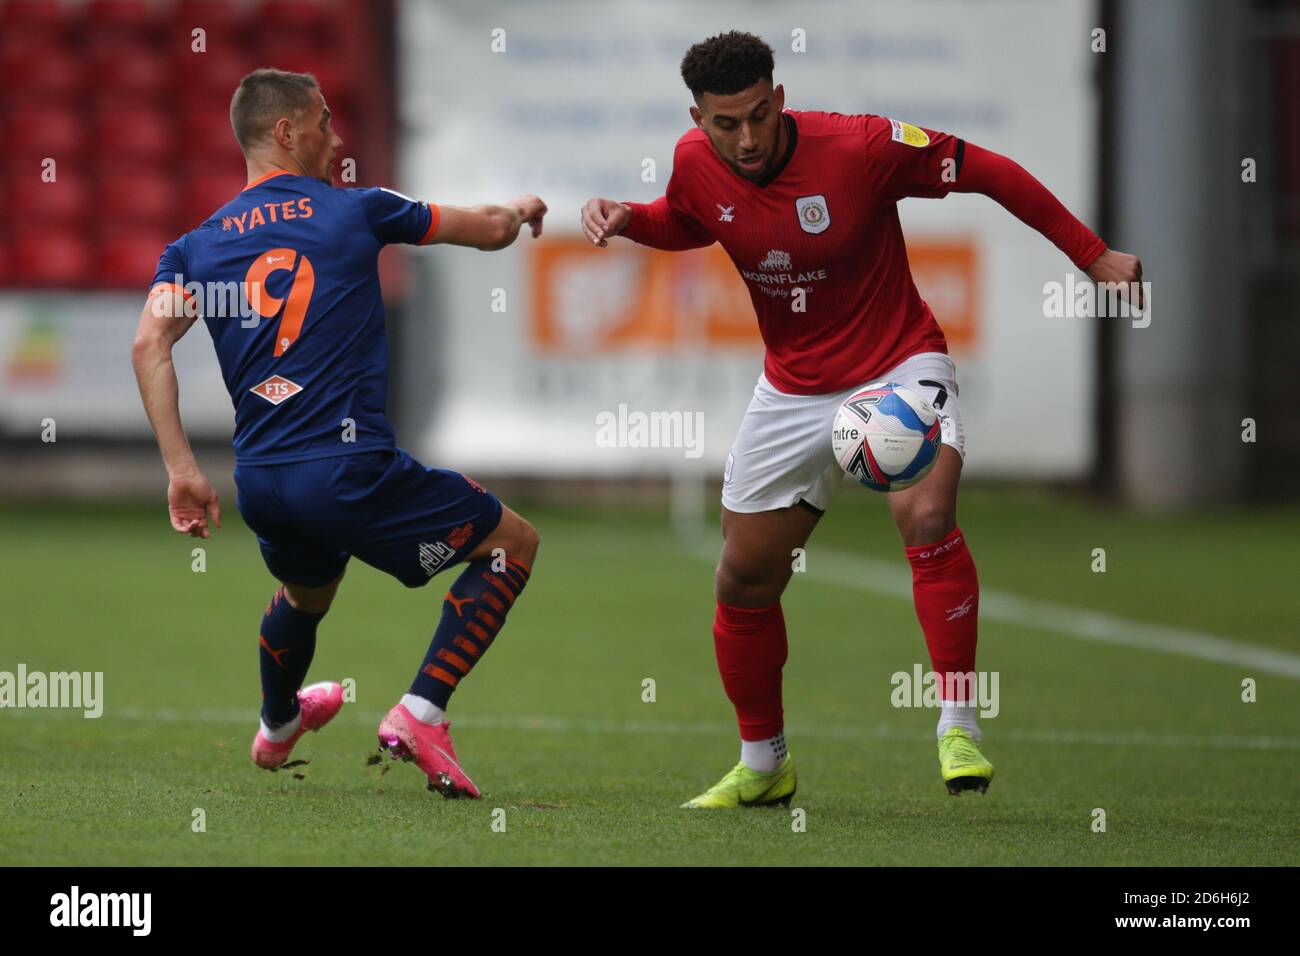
457	603
275	655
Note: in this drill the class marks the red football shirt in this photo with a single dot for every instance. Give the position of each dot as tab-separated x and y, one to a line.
825	220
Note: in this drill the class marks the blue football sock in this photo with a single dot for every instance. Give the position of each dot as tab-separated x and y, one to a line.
472	613
285	647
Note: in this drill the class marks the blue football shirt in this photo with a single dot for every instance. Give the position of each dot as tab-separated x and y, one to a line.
287	278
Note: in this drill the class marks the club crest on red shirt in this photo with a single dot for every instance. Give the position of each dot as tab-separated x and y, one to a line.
814	217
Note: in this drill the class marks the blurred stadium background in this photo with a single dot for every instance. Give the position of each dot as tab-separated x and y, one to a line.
113	102
1083	432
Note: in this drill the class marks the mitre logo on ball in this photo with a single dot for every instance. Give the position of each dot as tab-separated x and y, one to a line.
887	436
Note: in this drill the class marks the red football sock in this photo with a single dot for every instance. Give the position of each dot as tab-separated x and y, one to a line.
751	647
947	595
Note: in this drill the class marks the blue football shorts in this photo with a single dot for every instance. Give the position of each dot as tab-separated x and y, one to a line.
382	506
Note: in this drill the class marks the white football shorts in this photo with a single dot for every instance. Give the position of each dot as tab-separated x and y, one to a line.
782	454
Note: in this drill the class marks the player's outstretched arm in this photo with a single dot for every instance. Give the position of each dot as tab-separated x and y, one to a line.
190	498
1012	186
655	224
1121	268
489	227
603	219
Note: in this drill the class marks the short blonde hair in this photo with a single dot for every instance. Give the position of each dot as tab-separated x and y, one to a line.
263	98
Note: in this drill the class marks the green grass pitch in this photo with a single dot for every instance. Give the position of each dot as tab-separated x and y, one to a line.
553	727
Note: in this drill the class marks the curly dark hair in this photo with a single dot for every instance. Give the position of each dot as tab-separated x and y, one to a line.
726	64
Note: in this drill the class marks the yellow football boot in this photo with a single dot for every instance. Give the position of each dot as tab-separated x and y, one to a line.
743	787
961	764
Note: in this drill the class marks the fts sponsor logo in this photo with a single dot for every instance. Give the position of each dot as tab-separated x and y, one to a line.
276	389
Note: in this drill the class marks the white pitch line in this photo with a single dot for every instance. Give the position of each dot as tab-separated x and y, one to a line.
882	731
854	571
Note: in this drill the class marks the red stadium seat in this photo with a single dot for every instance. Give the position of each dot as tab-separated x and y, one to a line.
5	225
125	135
128	259
145	169
208	139
205	82
138	19
138	124
36	131
315	19
51	257
204	194
225	165
128	69
224	24
297	56
126	199
29	19
41	70
62	203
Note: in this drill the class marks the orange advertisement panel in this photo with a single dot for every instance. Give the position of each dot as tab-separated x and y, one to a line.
945	275
630	298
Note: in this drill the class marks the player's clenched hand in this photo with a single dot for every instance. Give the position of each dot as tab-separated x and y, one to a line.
1118	267
603	219
189	500
531	210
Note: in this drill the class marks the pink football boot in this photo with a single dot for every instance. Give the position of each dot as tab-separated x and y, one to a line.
429	745
319	703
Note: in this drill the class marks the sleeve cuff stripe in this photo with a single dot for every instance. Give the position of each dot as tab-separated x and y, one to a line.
435	214
171	287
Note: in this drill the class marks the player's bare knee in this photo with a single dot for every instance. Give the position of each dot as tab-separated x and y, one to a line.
526	543
747	584
926	523
311	600
308	603
514	537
